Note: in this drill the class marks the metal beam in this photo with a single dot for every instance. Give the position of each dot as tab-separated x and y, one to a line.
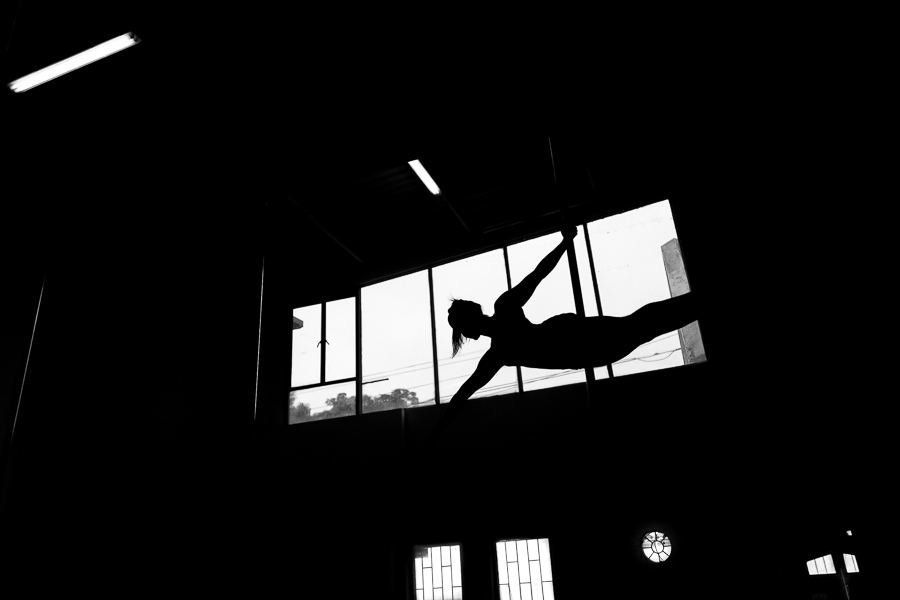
324	229
455	212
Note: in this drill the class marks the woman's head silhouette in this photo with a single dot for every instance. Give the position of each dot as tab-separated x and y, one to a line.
463	317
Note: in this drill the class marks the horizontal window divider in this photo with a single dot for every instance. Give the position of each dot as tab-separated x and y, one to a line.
315	385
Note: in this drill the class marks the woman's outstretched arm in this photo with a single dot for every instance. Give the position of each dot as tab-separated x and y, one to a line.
484	372
522	292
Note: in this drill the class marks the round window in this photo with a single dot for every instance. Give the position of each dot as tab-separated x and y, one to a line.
656	546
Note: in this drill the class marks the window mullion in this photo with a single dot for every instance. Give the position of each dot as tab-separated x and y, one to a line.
576	293
587	241
509	287
322	343
359	377
434	358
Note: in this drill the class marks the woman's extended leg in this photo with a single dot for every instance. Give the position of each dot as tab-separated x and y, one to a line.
657	318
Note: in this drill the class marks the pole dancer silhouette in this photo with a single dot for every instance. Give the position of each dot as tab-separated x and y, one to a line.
565	341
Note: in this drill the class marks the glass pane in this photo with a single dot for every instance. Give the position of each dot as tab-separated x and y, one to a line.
504	592
631	272
437	572
522	552
457	593
533	550
552	297
548	590
811	566
418	571
426	560
340	332
601	373
324	402
481	279
306	356
501	563
445	556
544	548
511	552
397	359
420	595
535	567
829	564
429	586
445	577
514	589
456	564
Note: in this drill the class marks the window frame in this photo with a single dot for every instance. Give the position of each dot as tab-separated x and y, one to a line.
412	564
495	561
323	381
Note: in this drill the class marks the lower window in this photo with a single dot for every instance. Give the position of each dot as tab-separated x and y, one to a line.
523	569
438	572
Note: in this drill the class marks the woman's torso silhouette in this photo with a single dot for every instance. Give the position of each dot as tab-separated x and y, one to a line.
564	341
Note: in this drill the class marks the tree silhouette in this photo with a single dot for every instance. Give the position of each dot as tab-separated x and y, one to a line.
343	405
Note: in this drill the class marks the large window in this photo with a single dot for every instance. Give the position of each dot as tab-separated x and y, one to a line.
623	262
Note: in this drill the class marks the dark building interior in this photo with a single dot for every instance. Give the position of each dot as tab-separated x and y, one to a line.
145	357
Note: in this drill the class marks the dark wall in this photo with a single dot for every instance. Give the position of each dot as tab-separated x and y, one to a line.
135	462
127	465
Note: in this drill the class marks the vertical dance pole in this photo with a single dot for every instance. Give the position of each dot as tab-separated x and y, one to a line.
570	253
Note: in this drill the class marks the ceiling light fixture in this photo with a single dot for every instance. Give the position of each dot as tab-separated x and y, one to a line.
74	62
425	177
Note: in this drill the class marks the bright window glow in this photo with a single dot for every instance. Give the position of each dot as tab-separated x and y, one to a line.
481	279
630	253
656	546
397	358
74	62
523	569
823	565
425	177
438	572
850	563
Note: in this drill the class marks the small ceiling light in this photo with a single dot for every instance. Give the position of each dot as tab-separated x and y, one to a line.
849	532
74	62
425	177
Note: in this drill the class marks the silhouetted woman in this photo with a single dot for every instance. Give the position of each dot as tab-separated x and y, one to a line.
565	341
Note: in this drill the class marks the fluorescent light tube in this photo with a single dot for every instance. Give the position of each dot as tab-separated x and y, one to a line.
74	62
425	177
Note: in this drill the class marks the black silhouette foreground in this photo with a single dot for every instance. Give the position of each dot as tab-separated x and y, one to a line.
565	341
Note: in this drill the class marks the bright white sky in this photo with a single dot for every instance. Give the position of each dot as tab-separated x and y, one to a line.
396	314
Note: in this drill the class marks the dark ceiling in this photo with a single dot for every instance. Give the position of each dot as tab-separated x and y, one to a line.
316	115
